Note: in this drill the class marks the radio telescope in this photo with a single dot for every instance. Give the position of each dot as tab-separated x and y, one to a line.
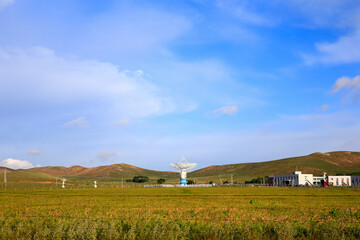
183	165
63	182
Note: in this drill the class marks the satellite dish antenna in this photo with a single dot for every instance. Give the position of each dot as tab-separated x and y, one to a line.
63	182
183	165
95	184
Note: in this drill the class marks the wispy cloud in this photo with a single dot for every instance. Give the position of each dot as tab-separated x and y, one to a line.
34	152
16	164
125	122
351	85
133	29
5	3
343	15
226	110
344	50
242	14
106	155
77	122
324	108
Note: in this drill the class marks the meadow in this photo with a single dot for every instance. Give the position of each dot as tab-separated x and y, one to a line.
181	213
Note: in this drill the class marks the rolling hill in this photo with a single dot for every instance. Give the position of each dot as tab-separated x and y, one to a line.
110	172
316	163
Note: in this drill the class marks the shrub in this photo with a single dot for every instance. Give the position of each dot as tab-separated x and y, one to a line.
140	179
160	181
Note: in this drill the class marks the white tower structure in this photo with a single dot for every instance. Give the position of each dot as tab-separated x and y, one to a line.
183	165
95	184
63	182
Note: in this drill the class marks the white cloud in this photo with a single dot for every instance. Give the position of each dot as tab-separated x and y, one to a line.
106	155
347	83
351	85
77	122
46	79
319	13
34	152
242	14
5	3
16	164
324	108
227	110
125	122
345	50
335	15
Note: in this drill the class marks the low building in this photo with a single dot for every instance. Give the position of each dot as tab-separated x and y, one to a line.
297	178
319	181
339	180
355	181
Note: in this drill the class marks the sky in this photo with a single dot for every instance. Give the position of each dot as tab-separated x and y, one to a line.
85	82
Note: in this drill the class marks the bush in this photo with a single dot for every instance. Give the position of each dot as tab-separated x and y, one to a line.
258	180
160	181
140	179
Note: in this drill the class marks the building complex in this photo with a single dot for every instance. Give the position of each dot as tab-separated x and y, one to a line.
297	178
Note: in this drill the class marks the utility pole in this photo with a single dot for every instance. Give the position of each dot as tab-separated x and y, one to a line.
231	179
5	179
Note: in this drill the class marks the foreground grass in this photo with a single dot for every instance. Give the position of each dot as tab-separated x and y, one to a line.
181	213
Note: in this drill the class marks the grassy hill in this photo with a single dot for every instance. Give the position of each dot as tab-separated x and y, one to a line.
114	172
316	163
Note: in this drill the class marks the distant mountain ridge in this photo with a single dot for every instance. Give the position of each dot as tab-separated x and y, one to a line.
316	163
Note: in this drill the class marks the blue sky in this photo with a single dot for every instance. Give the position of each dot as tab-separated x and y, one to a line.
147	82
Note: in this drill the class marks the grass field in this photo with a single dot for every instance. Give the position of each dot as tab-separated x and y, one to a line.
181	213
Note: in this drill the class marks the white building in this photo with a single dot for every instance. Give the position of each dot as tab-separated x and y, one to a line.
319	181
295	179
339	180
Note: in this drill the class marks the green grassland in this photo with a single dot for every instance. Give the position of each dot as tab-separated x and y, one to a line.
181	213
